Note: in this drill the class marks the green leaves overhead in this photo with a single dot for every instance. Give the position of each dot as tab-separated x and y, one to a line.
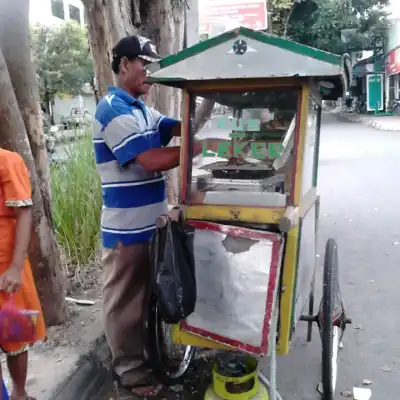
62	58
320	23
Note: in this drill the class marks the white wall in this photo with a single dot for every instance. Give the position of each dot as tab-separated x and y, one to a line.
394	24
394	34
40	12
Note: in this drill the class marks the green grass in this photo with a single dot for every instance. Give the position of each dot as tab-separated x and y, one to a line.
77	202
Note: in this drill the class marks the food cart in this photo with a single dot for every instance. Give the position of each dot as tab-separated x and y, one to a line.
254	203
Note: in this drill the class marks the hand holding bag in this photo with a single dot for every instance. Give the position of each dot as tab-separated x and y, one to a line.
16	324
173	270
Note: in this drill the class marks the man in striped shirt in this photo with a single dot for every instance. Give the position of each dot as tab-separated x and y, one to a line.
130	142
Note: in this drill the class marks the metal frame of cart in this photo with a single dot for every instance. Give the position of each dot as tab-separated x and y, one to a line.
239	61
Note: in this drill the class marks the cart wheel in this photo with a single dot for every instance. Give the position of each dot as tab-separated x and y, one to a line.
330	320
168	360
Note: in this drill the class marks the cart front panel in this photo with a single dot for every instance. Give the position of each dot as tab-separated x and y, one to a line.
237	273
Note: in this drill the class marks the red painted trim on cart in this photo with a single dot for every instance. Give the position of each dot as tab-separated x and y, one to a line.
222	340
276	242
296	148
184	162
232	230
273	276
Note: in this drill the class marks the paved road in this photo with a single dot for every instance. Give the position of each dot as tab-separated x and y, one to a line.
358	184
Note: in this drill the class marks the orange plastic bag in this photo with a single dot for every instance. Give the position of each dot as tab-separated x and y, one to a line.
17	325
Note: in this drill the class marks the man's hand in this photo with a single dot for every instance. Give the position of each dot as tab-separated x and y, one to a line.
11	280
214	145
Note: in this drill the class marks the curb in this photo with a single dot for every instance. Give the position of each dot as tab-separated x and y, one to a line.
381	127
90	375
371	123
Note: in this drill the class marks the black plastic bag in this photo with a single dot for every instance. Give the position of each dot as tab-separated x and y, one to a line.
173	271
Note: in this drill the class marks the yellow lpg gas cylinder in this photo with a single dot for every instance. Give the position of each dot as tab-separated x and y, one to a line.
235	378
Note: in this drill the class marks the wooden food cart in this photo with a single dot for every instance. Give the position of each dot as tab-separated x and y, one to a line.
255	216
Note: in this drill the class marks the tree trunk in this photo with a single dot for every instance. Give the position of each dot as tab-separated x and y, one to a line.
19	99
108	21
14	23
163	22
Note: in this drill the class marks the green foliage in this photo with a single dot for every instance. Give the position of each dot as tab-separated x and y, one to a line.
319	23
62	58
280	10
77	202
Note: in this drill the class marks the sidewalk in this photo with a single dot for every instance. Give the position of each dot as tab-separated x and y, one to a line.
389	123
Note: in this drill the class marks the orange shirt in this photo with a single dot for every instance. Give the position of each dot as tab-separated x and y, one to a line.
15	191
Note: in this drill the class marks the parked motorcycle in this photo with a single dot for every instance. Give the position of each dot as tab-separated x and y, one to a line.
50	139
361	106
350	104
396	107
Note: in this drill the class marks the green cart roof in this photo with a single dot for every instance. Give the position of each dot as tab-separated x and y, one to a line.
243	53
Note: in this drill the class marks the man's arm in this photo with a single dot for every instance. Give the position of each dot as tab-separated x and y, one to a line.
158	160
130	144
202	115
170	127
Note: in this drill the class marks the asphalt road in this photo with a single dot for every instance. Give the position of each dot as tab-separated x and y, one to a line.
358	184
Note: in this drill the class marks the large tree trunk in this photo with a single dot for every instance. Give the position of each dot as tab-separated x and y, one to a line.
109	21
14	23
162	21
19	100
100	47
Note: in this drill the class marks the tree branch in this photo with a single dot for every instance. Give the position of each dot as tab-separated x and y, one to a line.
203	114
136	19
287	18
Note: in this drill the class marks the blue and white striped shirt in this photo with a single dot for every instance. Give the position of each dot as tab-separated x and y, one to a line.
133	198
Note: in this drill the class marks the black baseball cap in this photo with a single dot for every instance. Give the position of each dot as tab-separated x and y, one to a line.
133	47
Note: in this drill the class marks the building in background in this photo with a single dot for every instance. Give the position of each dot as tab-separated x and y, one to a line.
49	12
218	16
192	22
53	12
392	69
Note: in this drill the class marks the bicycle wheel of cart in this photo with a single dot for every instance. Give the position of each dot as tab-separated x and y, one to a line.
330	320
169	361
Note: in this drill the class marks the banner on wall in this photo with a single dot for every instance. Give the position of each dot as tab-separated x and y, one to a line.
393	62
219	16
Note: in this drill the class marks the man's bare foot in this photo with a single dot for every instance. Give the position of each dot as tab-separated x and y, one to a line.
148	387
147	391
24	397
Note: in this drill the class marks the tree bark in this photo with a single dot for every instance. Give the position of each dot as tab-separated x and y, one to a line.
108	21
20	105
14	23
163	22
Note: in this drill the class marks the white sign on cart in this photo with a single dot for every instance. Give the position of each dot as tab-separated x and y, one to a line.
237	273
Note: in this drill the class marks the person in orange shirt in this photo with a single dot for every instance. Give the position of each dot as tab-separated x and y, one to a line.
15	271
